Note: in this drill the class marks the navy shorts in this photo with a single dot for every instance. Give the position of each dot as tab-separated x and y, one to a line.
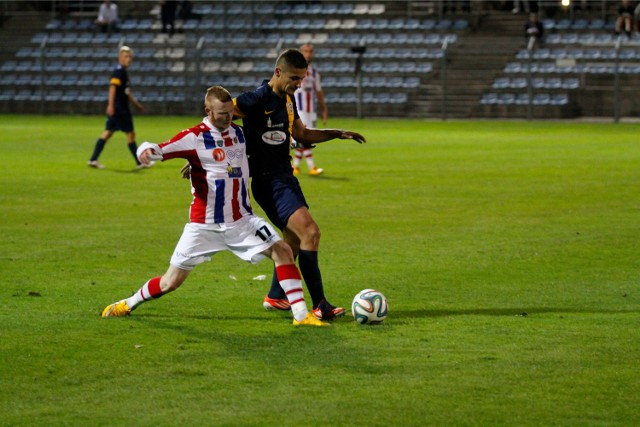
120	121
279	196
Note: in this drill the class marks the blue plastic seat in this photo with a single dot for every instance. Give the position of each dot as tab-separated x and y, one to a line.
489	99
559	99
522	99
518	83
506	99
501	83
541	99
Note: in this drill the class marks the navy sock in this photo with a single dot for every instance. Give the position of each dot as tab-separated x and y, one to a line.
133	147
100	143
308	262
276	291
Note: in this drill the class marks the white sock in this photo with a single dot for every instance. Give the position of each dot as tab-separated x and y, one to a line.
291	282
308	156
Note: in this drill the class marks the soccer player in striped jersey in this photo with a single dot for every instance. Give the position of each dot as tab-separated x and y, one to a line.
119	116
308	97
220	216
270	120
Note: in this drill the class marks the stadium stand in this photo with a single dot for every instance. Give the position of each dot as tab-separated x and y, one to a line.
418	61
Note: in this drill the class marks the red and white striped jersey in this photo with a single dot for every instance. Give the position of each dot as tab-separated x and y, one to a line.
219	171
306	95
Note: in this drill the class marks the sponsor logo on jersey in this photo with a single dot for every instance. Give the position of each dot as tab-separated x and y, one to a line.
274	137
234	172
235	154
219	155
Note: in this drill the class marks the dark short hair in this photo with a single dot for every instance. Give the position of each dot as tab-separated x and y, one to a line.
219	93
291	58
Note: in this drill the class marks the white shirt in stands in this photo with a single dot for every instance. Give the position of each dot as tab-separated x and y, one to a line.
219	171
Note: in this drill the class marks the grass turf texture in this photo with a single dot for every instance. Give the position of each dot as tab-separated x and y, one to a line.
508	253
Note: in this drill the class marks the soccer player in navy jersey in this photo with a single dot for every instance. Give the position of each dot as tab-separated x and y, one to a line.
119	116
309	99
270	121
220	217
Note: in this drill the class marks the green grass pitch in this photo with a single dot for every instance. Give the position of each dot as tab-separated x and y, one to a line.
508	251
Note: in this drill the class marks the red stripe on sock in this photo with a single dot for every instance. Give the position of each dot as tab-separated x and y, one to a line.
288	272
154	287
291	291
298	300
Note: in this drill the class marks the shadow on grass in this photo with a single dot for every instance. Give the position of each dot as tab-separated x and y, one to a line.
326	178
523	311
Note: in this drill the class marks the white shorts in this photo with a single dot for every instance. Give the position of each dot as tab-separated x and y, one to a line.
309	119
245	238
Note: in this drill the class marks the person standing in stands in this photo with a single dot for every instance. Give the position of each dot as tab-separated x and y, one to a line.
308	97
119	116
168	16
107	20
624	19
533	27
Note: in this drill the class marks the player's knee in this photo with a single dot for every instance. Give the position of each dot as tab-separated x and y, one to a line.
281	253
312	235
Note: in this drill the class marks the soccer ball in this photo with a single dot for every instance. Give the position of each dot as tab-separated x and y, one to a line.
369	306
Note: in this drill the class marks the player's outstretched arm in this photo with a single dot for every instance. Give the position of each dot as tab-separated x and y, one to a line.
147	152
308	136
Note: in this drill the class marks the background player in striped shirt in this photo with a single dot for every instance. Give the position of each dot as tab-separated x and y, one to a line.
220	217
309	97
118	113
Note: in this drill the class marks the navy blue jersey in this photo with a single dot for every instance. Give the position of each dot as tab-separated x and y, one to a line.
268	123
120	79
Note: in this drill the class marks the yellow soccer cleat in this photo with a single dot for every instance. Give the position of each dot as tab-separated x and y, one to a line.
316	171
310	321
117	309
296	171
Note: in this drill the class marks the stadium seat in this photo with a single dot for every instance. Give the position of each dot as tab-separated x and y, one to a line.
361	9
580	24
428	24
570	83
7	94
559	99
506	99
596	24
376	9
489	99
518	83
501	83
345	9
411	24
538	82
460	24
522	99
411	82
541	99
9	66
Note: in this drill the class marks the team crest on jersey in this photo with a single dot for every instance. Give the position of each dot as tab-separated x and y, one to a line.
290	107
234	172
219	142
